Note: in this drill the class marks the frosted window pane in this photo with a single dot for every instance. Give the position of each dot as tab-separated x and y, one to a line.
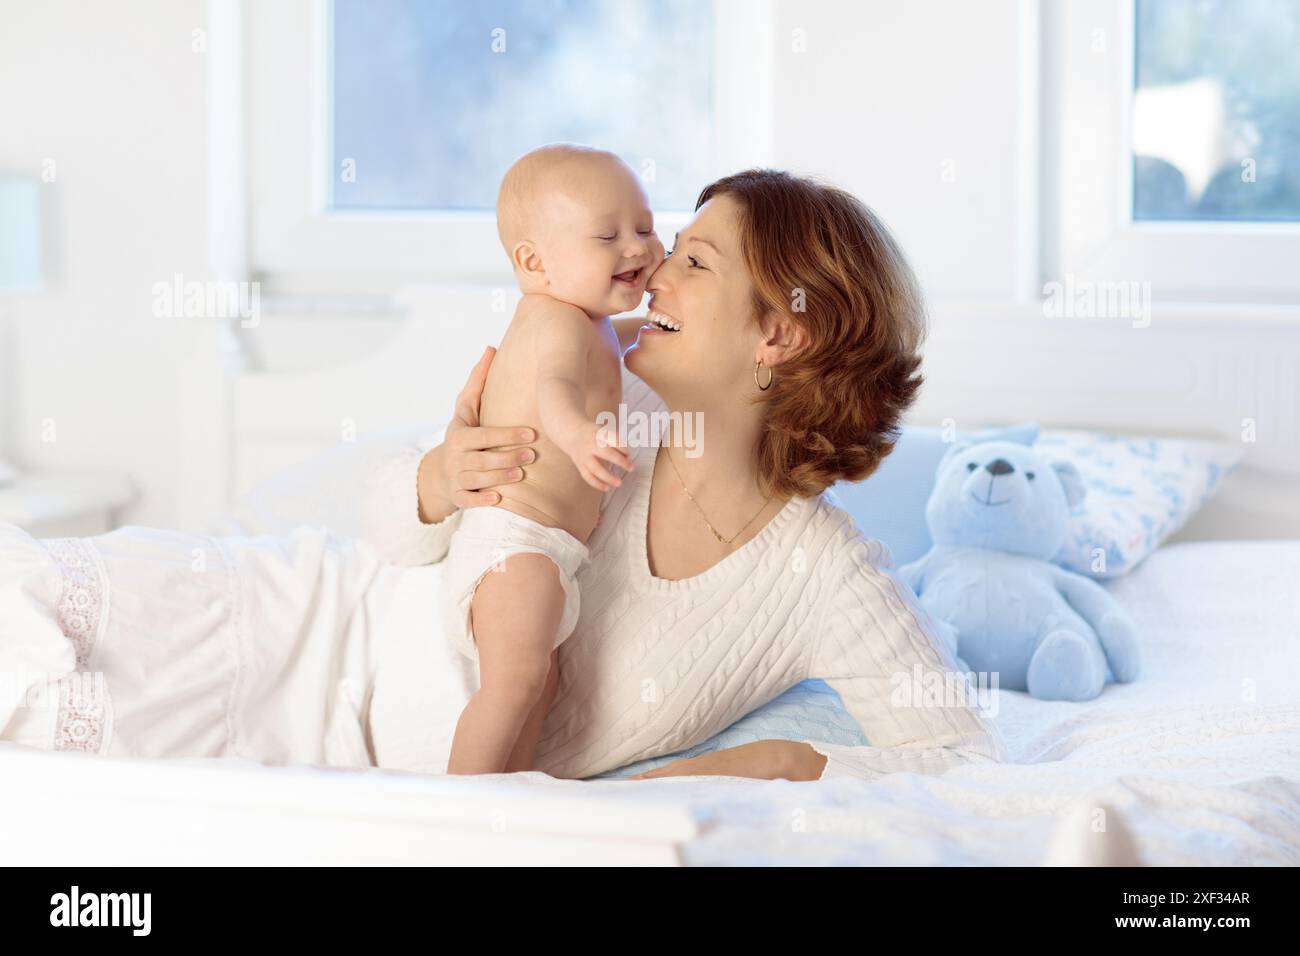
1216	110
428	115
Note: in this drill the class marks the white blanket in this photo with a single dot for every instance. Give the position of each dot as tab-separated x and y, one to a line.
1198	762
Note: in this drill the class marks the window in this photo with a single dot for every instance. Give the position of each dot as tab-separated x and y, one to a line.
1171	145
1216	110
432	99
415	109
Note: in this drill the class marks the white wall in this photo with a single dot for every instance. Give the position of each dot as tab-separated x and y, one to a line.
924	108
114	95
918	107
929	110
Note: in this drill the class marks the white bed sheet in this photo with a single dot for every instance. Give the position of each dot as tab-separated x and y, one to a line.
1197	763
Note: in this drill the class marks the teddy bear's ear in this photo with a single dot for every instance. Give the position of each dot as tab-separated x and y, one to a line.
956	448
1071	481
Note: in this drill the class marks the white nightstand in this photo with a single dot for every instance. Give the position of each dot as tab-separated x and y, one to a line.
64	504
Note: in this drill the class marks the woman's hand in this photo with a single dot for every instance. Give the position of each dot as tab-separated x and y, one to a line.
762	759
458	472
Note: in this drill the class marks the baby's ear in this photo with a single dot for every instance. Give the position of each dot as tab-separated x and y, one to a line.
1071	481
527	259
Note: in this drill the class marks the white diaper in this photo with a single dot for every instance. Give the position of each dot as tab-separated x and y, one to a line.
487	535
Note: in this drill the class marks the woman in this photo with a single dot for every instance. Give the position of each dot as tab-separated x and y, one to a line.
718	580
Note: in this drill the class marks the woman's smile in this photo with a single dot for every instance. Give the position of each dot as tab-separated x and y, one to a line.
661	322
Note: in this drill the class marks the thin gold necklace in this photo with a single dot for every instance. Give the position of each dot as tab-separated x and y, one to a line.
701	510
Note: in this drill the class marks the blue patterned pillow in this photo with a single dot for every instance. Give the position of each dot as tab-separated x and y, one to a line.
810	710
1139	492
889	505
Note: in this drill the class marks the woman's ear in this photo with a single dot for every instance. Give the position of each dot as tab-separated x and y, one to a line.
785	337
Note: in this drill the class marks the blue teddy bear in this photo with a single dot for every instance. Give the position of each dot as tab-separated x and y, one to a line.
997	516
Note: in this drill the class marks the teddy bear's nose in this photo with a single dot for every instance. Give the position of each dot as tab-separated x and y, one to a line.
999	466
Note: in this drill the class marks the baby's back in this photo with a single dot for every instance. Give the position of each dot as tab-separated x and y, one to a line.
552	491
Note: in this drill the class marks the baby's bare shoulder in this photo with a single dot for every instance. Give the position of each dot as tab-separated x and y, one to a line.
536	306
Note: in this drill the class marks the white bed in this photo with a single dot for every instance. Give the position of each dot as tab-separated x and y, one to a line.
1198	762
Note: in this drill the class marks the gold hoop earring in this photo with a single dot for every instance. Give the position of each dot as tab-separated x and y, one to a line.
770	375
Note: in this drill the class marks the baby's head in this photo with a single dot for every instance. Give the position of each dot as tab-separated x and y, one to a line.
577	226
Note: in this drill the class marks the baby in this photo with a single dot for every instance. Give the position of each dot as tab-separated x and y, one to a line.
577	227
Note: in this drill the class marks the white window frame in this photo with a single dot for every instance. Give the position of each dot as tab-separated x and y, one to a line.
1089	233
298	245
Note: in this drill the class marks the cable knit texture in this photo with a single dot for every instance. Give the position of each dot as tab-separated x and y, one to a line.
656	666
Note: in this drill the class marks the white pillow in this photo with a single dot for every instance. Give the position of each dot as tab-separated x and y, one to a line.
324	490
1139	492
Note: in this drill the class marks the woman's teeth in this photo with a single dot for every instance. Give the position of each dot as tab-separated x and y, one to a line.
663	321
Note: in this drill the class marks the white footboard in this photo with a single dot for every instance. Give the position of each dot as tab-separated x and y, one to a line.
76	810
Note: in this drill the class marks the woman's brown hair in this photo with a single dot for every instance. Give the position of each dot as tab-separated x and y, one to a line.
818	255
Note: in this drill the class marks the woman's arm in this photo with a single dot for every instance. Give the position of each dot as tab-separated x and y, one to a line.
879	649
413	497
431	504
393	512
761	759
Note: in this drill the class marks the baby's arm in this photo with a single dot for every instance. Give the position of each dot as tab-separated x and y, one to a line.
563	339
563	342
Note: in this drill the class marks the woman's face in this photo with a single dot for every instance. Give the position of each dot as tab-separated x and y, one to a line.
704	288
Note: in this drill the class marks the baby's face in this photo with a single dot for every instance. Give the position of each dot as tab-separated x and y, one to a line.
600	245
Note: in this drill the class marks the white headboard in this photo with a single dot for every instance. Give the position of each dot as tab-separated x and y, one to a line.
983	364
281	418
1179	374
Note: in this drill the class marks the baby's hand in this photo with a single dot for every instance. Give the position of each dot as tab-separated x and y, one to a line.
590	446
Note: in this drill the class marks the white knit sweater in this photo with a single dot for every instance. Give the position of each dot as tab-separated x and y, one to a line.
656	666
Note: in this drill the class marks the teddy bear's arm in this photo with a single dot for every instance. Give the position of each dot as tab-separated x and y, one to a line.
913	575
1115	629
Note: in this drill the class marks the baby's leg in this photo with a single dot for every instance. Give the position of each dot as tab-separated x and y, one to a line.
515	614
522	757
